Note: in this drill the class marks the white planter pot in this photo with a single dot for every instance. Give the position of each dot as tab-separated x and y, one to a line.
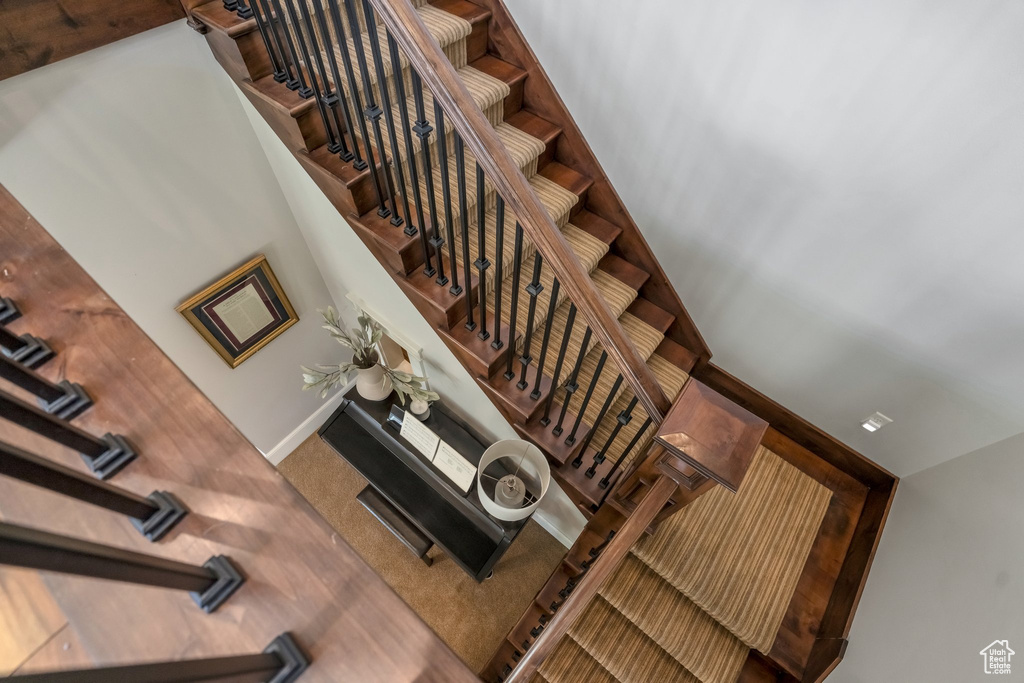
372	384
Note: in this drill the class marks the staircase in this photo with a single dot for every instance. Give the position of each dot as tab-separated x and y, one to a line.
435	133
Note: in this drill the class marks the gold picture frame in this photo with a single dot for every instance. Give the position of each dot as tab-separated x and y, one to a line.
241	312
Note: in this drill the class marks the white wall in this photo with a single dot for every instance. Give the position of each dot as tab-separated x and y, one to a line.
139	160
833	187
348	266
947	578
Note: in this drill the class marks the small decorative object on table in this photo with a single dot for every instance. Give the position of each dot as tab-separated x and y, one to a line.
242	312
419	409
374	380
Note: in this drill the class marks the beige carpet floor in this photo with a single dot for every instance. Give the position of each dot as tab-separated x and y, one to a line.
471	618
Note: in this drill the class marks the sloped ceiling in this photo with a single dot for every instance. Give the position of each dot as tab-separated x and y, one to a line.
836	190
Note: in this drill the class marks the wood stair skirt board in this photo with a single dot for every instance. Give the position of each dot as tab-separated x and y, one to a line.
526	116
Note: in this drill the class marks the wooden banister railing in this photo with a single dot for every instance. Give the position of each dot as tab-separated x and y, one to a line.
603	566
408	30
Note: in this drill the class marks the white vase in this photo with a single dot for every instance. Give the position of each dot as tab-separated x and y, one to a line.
372	384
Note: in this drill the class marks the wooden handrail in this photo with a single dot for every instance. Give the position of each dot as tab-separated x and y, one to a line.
606	563
434	69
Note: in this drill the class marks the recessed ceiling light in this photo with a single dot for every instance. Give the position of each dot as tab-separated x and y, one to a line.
875	422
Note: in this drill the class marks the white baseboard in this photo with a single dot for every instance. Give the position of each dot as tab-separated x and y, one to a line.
312	423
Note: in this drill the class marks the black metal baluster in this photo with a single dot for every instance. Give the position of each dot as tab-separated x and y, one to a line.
624	418
339	89
517	268
327	100
65	400
284	75
566	336
372	113
313	57
353	88
481	263
299	82
422	128
460	176
499	255
103	456
283	661
410	151
8	310
533	289
210	585
242	10
442	157
600	416
604	482
264	22
552	304
154	516
571	385
28	350
389	120
571	439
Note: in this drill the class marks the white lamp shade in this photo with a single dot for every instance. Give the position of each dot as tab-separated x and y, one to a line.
533	470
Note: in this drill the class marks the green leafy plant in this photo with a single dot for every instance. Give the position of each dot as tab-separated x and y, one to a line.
362	341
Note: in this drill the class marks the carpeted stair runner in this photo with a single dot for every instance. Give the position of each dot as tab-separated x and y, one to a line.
623	649
739	556
570	663
702	645
713	580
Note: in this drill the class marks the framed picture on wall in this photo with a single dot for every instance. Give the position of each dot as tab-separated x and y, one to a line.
242	312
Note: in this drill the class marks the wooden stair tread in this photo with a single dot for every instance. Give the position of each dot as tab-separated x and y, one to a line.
279	95
500	69
677	354
464	10
575	182
214	15
624	271
542	129
598	227
653	315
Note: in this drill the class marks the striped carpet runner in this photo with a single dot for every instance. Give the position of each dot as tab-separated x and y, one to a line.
689	602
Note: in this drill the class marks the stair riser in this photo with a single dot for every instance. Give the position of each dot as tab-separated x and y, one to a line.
243	57
302	132
357	198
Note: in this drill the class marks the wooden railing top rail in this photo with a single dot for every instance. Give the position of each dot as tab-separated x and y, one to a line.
434	69
585	591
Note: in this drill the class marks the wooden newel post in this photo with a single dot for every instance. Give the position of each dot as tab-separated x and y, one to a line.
209	585
153	516
711	434
104	456
65	399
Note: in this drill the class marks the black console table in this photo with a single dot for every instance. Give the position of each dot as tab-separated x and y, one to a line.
409	495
